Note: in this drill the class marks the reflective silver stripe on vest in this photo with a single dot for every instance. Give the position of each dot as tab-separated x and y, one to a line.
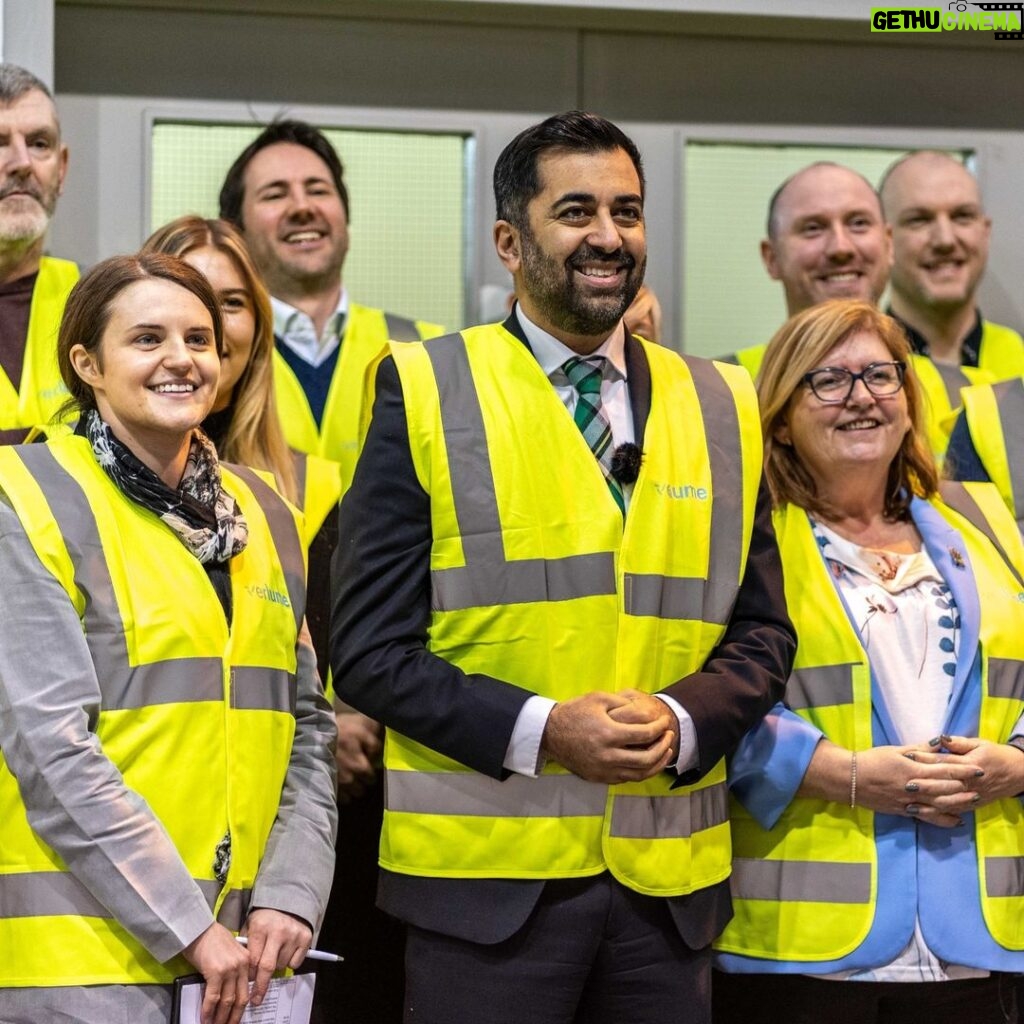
178	681
820	687
285	535
722	430
957	498
953	379
1010	402
400	329
59	894
473	795
1006	678
803	881
262	689
1004	876
669	817
488	579
299	464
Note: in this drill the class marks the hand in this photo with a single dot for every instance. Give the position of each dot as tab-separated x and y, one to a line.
224	965
276	940
360	742
582	735
997	770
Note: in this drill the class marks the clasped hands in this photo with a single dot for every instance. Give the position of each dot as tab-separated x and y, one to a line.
940	780
612	737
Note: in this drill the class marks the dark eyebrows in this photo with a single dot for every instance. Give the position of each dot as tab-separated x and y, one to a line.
589	197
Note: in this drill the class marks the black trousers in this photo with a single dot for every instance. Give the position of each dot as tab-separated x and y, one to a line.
799	999
592	952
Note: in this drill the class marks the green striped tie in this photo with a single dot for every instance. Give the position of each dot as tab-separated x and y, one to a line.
585	376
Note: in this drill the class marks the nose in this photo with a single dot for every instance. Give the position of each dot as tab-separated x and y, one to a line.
176	354
942	235
859	394
16	157
840	243
604	233
300	205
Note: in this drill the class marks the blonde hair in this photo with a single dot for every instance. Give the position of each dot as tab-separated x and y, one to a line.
798	347
254	435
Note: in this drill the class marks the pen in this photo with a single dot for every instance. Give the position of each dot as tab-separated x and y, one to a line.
311	954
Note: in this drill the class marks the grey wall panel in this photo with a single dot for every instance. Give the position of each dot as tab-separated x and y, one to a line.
325	60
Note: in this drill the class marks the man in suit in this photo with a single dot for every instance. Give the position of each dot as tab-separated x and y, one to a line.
559	589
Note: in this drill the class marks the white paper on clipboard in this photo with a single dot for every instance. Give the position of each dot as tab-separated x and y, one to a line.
288	1001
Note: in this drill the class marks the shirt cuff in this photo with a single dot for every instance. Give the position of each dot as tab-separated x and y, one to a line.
523	753
688	754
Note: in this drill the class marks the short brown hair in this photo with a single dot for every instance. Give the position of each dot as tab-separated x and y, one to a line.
798	347
87	312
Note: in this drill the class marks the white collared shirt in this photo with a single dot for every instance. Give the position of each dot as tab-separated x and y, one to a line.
523	753
297	331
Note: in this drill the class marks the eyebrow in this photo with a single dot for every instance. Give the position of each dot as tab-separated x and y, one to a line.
284	182
589	197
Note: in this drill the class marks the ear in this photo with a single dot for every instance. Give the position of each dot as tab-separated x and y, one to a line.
506	243
63	169
771	264
86	365
890	252
782	434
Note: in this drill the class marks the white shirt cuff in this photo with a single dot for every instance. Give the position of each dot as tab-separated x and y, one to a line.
523	754
688	754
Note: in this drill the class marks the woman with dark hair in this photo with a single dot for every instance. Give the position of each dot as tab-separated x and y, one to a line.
877	833
167	773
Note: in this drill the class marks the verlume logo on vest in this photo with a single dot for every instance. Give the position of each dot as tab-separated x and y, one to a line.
1004	20
266	593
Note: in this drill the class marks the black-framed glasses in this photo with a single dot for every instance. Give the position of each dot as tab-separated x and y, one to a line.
834	384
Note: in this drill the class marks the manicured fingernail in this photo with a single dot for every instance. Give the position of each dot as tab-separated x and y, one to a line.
913	810
946	739
911	787
935	742
979	773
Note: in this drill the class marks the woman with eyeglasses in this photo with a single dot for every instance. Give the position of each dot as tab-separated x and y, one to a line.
878	836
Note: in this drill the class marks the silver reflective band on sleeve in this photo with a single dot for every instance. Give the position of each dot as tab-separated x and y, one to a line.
285	534
473	795
262	689
953	379
234	909
677	597
300	464
59	894
959	499
821	687
1006	678
669	817
1010	402
800	881
400	329
1004	876
725	445
523	581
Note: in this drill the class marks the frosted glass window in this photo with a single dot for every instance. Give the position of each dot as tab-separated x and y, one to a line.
407	194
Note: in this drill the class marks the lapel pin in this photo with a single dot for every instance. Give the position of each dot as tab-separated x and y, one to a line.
957	556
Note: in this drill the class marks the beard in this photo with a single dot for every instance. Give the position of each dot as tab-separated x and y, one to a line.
555	291
26	218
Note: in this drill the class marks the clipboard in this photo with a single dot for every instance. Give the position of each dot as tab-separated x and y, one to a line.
289	1000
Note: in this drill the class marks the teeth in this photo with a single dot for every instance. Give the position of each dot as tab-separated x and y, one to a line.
847	275
859	425
164	389
599	271
303	236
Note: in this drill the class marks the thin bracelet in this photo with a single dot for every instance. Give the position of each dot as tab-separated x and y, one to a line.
853	778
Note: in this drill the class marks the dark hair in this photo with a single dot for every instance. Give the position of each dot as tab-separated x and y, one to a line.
516	181
299	133
87	312
772	226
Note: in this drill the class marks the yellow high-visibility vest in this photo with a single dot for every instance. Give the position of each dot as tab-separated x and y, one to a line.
537	579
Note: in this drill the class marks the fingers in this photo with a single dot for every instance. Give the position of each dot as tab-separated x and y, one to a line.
276	940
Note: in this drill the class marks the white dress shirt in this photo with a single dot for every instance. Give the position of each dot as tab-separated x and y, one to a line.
523	754
297	331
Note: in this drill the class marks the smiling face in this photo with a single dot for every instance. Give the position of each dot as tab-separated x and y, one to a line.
579	260
237	307
859	436
940	232
294	220
828	240
33	163
154	374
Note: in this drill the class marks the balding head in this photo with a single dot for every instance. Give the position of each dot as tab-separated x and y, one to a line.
826	237
940	234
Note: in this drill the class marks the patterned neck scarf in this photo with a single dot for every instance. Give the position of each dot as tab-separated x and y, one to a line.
202	514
